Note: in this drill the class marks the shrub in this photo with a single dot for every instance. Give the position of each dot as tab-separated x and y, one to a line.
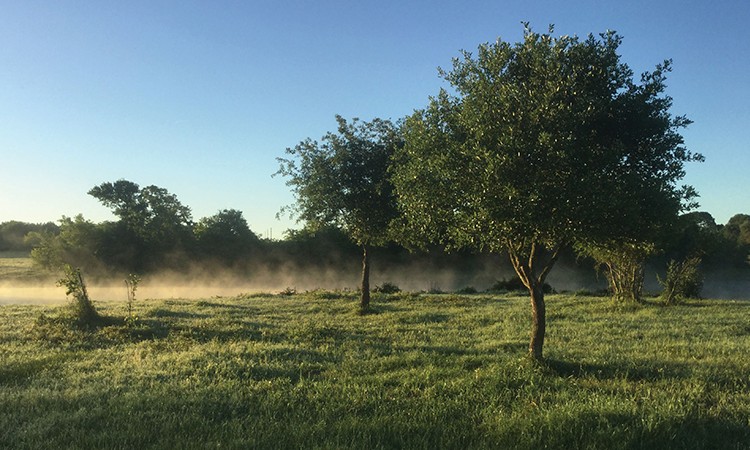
82	308
467	290
515	284
131	283
288	291
387	288
683	280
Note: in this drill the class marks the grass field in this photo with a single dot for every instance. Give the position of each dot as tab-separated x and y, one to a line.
18	268
424	371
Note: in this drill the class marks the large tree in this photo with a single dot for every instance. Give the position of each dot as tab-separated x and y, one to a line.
153	223
541	144
343	181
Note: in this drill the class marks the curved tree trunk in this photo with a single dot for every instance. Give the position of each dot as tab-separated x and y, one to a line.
538	321
364	303
532	265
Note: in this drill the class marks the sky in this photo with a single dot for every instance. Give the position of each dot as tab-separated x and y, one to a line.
201	97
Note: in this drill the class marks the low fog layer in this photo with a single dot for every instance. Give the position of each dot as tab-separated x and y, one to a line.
204	283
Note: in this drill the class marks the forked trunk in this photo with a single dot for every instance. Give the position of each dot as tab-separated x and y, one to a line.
533	270
538	321
364	303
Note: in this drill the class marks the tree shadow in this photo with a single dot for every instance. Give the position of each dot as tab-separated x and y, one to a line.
19	373
643	372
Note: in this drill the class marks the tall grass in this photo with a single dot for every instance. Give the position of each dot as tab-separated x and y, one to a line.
424	371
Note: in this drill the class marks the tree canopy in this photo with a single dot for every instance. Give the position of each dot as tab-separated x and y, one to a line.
225	235
541	144
343	181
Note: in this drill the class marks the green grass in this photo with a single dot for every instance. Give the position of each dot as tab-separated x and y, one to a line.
19	268
423	371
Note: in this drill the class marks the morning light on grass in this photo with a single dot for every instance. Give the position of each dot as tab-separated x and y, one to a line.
422	371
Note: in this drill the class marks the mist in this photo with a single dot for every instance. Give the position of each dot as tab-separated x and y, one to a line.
206	280
411	274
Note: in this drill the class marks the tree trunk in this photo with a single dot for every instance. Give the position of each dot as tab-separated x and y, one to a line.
364	303
538	321
533	270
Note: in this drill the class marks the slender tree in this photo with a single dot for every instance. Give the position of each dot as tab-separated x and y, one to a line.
343	181
541	144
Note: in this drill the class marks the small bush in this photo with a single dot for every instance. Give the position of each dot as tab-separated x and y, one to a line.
467	290
323	294
434	289
514	285
683	280
81	307
131	283
387	288
289	291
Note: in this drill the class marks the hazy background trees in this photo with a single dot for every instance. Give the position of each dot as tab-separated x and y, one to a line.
225	237
13	235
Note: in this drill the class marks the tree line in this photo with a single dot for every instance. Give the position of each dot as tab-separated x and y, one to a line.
536	148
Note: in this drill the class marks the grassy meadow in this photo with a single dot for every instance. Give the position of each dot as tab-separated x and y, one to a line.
423	371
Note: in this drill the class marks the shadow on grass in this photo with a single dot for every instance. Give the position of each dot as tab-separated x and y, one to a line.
18	373
600	429
694	432
230	332
65	332
645	372
169	313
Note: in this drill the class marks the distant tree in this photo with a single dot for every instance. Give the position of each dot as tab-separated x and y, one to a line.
737	229
75	244
225	236
13	234
545	143
737	232
327	246
343	181
697	234
153	220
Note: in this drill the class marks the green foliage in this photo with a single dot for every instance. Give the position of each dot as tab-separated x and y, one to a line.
683	280
76	244
387	288
81	307
546	143
13	235
548	140
437	371
131	284
343	179
225	236
153	223
623	266
737	231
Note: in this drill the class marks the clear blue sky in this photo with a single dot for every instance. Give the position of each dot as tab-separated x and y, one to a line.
200	97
